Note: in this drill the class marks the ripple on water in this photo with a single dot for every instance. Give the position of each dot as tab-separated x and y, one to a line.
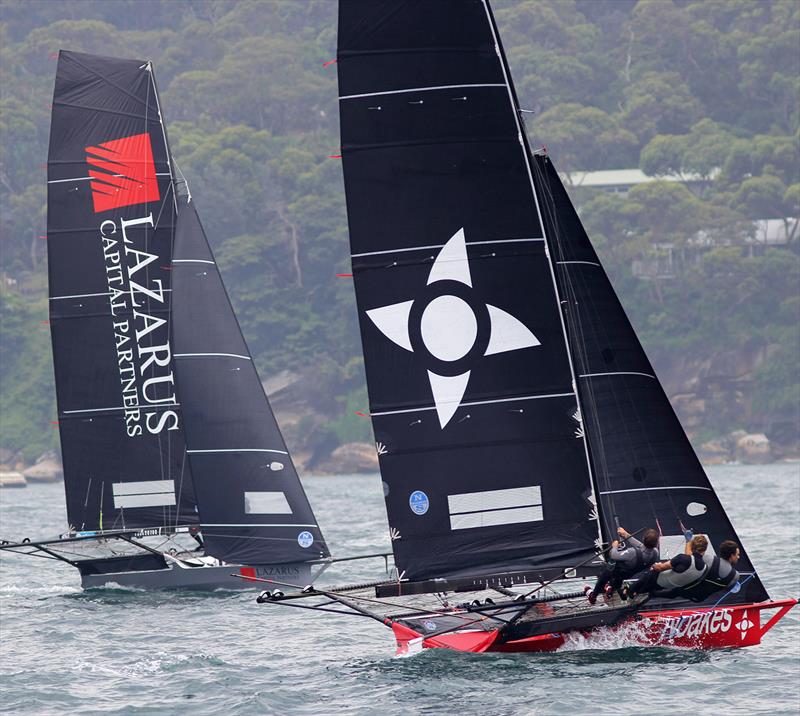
123	651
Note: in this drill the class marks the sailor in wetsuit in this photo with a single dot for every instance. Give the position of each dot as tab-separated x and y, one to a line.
681	573
721	572
626	561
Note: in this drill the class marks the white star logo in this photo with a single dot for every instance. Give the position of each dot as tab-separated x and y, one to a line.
448	327
744	625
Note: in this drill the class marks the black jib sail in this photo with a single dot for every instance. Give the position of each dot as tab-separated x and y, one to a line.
646	470
476	418
252	505
111	214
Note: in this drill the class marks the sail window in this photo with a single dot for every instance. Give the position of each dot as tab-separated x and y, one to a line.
694	509
671	545
266	503
148	493
495	507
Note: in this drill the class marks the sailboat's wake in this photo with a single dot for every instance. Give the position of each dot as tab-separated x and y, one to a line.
624	636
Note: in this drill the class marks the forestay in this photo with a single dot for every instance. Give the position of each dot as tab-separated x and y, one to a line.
646	470
481	448
252	506
111	213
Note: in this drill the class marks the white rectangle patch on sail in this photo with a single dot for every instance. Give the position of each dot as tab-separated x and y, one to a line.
266	503
148	493
495	507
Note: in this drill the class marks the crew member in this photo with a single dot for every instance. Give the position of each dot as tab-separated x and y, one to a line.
676	576
721	572
626	561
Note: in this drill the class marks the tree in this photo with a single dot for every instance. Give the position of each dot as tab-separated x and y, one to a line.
584	138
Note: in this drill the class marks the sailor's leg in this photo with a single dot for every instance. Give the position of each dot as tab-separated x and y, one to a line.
646	583
602	579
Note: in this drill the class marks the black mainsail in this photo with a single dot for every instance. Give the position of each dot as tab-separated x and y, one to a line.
472	396
110	223
162	417
645	467
517	418
508	391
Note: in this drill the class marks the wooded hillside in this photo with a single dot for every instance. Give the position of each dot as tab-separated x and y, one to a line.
708	88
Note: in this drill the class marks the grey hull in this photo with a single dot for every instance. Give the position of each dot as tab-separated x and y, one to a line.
208	577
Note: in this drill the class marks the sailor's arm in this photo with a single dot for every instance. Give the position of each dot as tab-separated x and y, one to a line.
621	554
629	538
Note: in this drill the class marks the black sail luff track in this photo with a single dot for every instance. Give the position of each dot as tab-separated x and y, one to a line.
646	470
485	468
252	506
111	215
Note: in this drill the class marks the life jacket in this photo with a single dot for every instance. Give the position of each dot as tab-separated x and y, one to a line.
691	576
712	582
713	575
645	557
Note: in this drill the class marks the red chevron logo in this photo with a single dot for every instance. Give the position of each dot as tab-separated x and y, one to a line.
124	173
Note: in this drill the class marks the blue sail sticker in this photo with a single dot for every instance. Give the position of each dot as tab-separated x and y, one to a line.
305	539
419	503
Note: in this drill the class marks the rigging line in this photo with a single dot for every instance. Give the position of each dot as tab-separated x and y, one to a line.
527	160
149	70
180	489
734	587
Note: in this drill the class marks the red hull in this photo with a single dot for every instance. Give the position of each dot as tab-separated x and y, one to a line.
702	628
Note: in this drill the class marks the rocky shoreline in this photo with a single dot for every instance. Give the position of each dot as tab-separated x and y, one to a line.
738	447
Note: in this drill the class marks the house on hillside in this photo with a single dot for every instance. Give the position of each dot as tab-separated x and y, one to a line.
621	181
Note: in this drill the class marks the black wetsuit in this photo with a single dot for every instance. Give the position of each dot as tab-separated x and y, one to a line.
721	574
626	562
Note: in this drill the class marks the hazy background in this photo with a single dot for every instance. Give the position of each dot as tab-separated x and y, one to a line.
704	92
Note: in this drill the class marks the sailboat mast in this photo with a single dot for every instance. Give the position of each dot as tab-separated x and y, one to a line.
523	139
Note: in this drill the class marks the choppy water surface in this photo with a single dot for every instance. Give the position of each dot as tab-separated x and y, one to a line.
122	651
